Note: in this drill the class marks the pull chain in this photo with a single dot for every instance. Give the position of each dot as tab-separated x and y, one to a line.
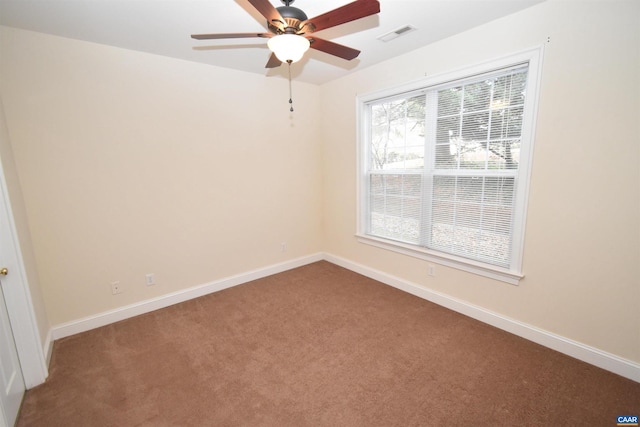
290	97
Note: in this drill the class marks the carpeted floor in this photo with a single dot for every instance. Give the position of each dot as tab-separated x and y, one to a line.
317	346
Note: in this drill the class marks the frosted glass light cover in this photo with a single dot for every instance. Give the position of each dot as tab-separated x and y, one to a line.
288	47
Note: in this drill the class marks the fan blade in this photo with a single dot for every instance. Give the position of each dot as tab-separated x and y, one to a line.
268	11
229	36
335	49
347	13
273	62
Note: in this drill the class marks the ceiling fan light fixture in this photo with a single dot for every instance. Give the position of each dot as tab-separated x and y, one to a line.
288	47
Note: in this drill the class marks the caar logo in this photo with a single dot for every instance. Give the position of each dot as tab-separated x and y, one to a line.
627	420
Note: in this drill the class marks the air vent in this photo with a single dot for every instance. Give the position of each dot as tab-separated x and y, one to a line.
406	29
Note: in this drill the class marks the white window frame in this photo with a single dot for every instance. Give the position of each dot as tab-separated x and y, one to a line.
512	274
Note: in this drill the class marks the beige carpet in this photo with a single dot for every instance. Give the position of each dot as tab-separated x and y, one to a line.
317	346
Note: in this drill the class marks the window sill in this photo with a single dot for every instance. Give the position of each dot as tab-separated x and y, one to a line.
469	266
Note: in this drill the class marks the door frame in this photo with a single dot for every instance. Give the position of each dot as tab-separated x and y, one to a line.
15	286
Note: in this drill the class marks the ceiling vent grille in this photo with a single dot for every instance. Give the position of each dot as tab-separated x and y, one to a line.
404	30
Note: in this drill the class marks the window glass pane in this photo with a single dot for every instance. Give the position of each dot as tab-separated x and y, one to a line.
412	185
509	90
448	130
393	184
395	228
396	206
513	125
475	127
477	96
397	134
497	219
441	236
443	212
468	215
498	191
471	217
473	155
377	203
446	156
444	187
469	189
504	155
450	101
376	184
506	123
393	206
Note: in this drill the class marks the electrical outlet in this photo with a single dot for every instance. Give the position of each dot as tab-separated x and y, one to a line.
116	288
150	279
283	247
431	270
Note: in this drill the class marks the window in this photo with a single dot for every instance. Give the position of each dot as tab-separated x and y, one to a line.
444	166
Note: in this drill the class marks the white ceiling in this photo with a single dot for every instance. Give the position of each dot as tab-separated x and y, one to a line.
164	27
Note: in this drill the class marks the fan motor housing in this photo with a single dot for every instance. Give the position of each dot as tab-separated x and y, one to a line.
292	16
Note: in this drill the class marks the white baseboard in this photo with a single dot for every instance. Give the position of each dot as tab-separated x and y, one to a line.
583	352
588	354
122	313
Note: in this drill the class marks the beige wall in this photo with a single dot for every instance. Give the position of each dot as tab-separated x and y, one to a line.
133	163
582	250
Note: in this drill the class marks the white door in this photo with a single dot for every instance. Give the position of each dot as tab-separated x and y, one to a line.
11	379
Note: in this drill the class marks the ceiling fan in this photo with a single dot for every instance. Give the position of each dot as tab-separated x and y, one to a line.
291	31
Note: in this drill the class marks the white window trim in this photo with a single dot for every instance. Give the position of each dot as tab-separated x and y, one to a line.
511	275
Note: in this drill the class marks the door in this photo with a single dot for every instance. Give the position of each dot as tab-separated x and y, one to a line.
11	379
